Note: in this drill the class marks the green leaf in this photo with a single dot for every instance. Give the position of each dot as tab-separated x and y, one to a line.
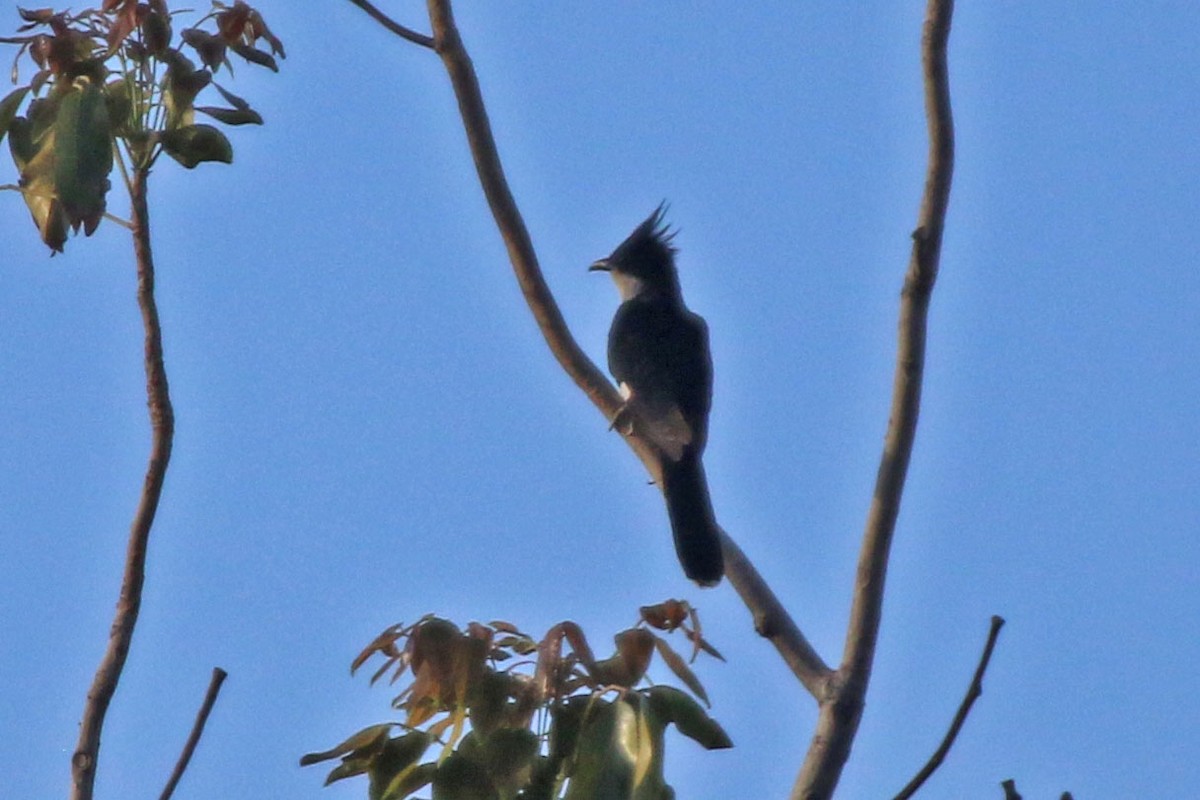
606	754
462	778
509	755
366	739
194	144
8	108
33	151
20	142
396	763
232	116
673	705
348	769
120	106
83	154
409	781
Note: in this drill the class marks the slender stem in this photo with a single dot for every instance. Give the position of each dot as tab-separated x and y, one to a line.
973	693
210	698
162	424
841	712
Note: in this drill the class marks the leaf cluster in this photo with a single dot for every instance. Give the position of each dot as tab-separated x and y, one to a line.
546	718
112	75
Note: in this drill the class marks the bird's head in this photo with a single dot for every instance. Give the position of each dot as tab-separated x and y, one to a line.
645	261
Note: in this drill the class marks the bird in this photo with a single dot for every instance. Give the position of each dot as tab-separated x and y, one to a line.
659	355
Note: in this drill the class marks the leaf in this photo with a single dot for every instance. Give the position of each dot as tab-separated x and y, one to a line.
120	106
635	648
231	116
194	144
409	781
83	154
487	701
509	755
231	98
349	768
393	768
462	778
606	754
366	739
681	669
31	141
210	48
180	87
254	56
691	720
20	142
8	108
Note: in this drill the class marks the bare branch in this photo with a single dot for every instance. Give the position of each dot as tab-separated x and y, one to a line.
393	26
771	620
770	617
189	747
162	424
973	693
1010	790
841	712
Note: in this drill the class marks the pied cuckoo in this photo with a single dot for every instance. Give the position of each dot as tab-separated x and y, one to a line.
658	353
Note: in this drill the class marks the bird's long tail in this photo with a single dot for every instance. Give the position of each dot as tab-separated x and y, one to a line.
697	541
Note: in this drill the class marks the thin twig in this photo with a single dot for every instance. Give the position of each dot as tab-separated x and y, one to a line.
393	26
771	619
841	712
162	424
210	698
964	708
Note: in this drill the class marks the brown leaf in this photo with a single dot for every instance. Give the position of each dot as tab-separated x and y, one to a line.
681	669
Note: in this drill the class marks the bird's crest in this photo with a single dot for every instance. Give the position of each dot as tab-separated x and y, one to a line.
650	241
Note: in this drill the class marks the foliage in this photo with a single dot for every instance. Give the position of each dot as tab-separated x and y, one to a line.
547	720
111	76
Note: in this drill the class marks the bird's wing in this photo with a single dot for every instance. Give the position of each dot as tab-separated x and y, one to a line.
659	351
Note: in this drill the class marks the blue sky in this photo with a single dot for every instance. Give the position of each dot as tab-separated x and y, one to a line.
370	428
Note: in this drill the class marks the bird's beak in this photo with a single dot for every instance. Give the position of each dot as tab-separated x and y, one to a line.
600	266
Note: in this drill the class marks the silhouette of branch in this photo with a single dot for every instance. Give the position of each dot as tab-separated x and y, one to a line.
393	26
189	747
162	424
973	693
841	711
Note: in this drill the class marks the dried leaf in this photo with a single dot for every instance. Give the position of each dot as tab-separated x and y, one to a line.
681	669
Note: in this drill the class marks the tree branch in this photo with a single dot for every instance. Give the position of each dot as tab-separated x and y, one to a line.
771	619
189	747
841	712
973	693
162	424
393	26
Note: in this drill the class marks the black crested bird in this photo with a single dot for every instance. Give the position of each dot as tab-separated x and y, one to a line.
658	352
